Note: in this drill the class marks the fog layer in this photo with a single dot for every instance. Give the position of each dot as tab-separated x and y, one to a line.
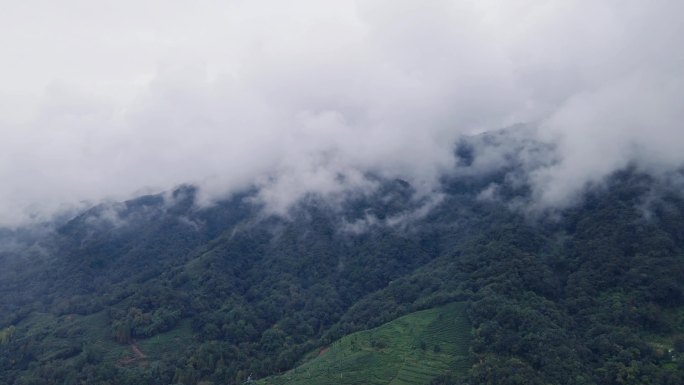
111	99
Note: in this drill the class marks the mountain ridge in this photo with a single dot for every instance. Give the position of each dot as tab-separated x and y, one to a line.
256	293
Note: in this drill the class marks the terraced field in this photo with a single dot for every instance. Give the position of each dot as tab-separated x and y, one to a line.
410	350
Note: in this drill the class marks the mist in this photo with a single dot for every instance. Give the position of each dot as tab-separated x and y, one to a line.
111	100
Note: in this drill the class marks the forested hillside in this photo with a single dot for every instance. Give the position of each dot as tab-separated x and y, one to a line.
158	290
451	192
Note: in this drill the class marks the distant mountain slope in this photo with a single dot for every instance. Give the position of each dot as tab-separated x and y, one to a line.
592	294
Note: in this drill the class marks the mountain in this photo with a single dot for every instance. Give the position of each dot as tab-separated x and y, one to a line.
162	290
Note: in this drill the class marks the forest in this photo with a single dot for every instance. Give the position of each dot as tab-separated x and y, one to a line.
170	293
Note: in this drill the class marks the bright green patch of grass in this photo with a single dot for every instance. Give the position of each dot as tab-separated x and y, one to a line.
410	350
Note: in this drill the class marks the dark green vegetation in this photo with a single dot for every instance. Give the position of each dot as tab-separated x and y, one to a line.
158	291
413	349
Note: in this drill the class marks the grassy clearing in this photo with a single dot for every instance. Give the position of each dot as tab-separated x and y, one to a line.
410	350
166	344
67	336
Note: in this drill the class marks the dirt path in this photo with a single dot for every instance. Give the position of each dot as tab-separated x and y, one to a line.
137	351
323	351
139	356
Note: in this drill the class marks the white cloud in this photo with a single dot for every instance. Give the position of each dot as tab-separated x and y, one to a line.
108	99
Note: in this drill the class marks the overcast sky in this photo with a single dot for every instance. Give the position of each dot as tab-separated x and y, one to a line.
108	99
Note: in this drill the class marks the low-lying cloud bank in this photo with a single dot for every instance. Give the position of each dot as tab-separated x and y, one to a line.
110	100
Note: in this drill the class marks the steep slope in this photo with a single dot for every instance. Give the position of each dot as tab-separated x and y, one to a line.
159	291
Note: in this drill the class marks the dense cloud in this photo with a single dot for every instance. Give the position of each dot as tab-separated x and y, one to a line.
107	100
